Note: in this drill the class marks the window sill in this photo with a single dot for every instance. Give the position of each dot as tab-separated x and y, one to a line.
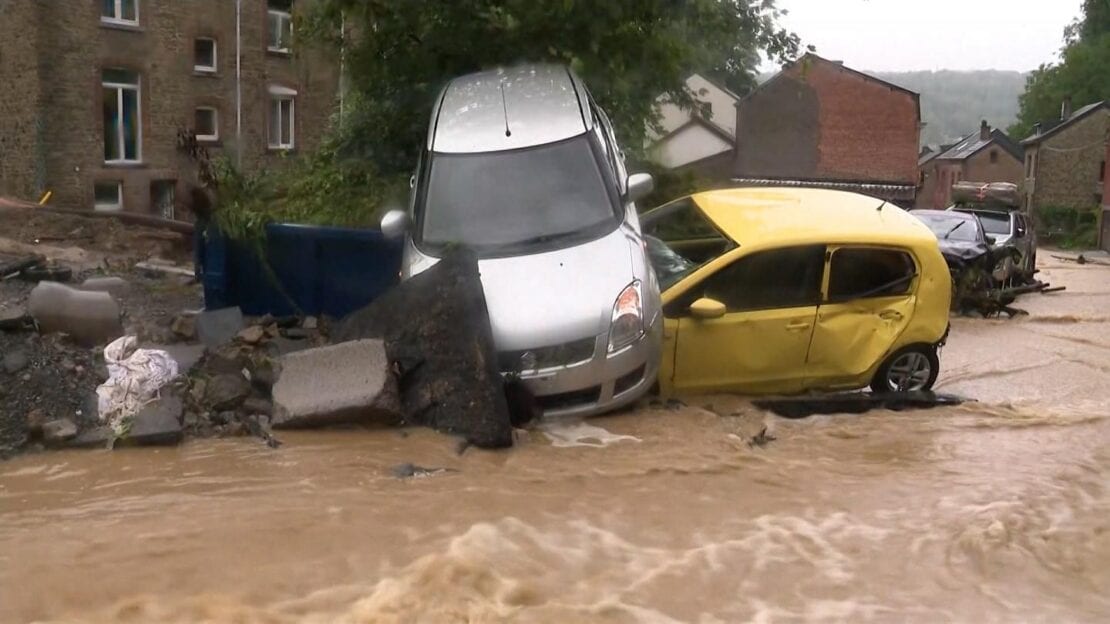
205	73
126	26
275	149
210	141
134	164
279	52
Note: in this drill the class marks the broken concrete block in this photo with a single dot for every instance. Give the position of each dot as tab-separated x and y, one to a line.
437	332
158	423
217	327
226	392
97	437
252	335
186	356
347	382
114	285
91	318
15	319
184	327
58	431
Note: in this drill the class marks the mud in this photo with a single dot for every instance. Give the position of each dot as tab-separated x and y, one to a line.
994	511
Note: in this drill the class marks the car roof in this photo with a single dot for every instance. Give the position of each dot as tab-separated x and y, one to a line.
798	216
947	214
509	108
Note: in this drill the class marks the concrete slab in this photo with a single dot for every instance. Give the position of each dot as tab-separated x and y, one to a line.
91	318
342	383
217	327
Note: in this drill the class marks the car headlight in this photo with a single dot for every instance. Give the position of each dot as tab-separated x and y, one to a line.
628	318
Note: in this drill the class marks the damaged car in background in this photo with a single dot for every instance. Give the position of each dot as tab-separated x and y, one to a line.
522	167
782	291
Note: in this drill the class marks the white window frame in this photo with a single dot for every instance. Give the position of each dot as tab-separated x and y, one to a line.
120	87
283	16
116	19
206	69
101	207
279	94
215	136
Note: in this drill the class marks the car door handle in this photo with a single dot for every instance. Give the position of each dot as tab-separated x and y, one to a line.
890	315
798	325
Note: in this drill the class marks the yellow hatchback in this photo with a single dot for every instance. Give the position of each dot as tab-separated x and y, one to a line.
785	290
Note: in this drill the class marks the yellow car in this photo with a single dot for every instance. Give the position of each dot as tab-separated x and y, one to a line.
786	290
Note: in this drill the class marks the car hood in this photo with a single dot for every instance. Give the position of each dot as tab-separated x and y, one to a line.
558	296
963	251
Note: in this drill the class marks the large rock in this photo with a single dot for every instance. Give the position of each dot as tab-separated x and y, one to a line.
226	392
437	333
91	318
158	423
216	327
59	431
346	382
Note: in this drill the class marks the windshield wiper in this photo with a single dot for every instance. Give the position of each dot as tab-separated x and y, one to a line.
542	238
954	228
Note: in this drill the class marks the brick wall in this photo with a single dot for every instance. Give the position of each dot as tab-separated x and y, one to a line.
820	120
21	130
1068	163
74	46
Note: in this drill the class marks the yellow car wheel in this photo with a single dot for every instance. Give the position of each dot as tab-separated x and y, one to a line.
910	369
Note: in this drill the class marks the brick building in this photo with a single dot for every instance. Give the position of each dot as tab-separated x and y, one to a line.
818	123
94	94
1065	159
987	155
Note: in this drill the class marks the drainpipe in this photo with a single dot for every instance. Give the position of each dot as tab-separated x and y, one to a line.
238	85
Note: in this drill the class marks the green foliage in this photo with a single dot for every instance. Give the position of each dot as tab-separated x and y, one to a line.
669	185
1068	227
1083	73
399	53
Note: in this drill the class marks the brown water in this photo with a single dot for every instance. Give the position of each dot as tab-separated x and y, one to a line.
993	511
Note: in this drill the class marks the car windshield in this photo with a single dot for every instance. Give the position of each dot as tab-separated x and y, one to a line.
994	222
951	227
517	201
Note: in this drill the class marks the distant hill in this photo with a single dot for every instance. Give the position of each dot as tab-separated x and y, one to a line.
954	102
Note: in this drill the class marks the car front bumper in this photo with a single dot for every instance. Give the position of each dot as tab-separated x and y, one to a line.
606	382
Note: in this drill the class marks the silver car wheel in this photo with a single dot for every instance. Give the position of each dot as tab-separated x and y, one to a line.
910	372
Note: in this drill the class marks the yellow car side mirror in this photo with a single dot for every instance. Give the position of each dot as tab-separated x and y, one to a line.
706	308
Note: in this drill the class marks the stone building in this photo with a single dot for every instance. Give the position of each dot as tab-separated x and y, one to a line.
986	155
1065	159
818	123
95	94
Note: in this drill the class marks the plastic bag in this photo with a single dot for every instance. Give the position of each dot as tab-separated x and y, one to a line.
134	378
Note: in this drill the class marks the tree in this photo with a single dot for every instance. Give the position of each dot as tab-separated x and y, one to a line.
399	53
1083	73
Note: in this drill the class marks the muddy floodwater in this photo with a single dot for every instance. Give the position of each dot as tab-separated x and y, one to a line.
994	511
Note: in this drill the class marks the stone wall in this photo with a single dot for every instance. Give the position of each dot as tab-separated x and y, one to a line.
1068	164
22	168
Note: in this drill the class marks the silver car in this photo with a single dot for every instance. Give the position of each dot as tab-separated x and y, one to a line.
522	167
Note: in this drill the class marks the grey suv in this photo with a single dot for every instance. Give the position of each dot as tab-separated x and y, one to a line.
1008	230
522	167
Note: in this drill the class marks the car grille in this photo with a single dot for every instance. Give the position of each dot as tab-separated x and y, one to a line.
628	381
566	354
589	396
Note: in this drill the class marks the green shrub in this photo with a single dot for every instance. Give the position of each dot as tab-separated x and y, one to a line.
1067	227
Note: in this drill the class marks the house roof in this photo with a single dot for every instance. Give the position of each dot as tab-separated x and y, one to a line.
811	57
972	143
1051	127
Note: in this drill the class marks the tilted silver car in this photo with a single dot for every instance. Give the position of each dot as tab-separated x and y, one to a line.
522	167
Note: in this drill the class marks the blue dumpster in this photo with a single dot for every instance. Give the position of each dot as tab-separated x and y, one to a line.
303	269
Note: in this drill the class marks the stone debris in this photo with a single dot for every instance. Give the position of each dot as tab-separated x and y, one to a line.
58	431
91	318
227	391
159	423
218	327
342	383
15	361
113	285
253	334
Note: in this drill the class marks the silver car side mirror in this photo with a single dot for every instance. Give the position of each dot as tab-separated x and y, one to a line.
640	185
395	223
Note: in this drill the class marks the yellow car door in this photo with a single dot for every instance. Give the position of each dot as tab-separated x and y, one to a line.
869	301
745	327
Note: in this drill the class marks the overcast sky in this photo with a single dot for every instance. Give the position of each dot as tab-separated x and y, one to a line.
903	35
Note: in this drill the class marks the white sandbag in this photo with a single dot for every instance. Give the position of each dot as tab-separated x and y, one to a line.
134	378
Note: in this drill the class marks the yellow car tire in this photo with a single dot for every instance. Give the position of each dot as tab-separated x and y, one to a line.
909	369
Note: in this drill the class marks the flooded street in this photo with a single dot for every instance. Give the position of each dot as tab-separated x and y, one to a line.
993	511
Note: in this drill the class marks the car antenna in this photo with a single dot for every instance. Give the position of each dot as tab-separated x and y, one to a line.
880	208
505	108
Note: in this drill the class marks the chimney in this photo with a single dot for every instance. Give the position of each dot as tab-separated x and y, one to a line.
984	131
1065	109
1036	128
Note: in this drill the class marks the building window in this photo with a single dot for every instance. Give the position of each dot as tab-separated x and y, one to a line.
1028	165
279	25
108	196
120	12
283	109
206	123
204	55
994	156
122	120
1102	172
